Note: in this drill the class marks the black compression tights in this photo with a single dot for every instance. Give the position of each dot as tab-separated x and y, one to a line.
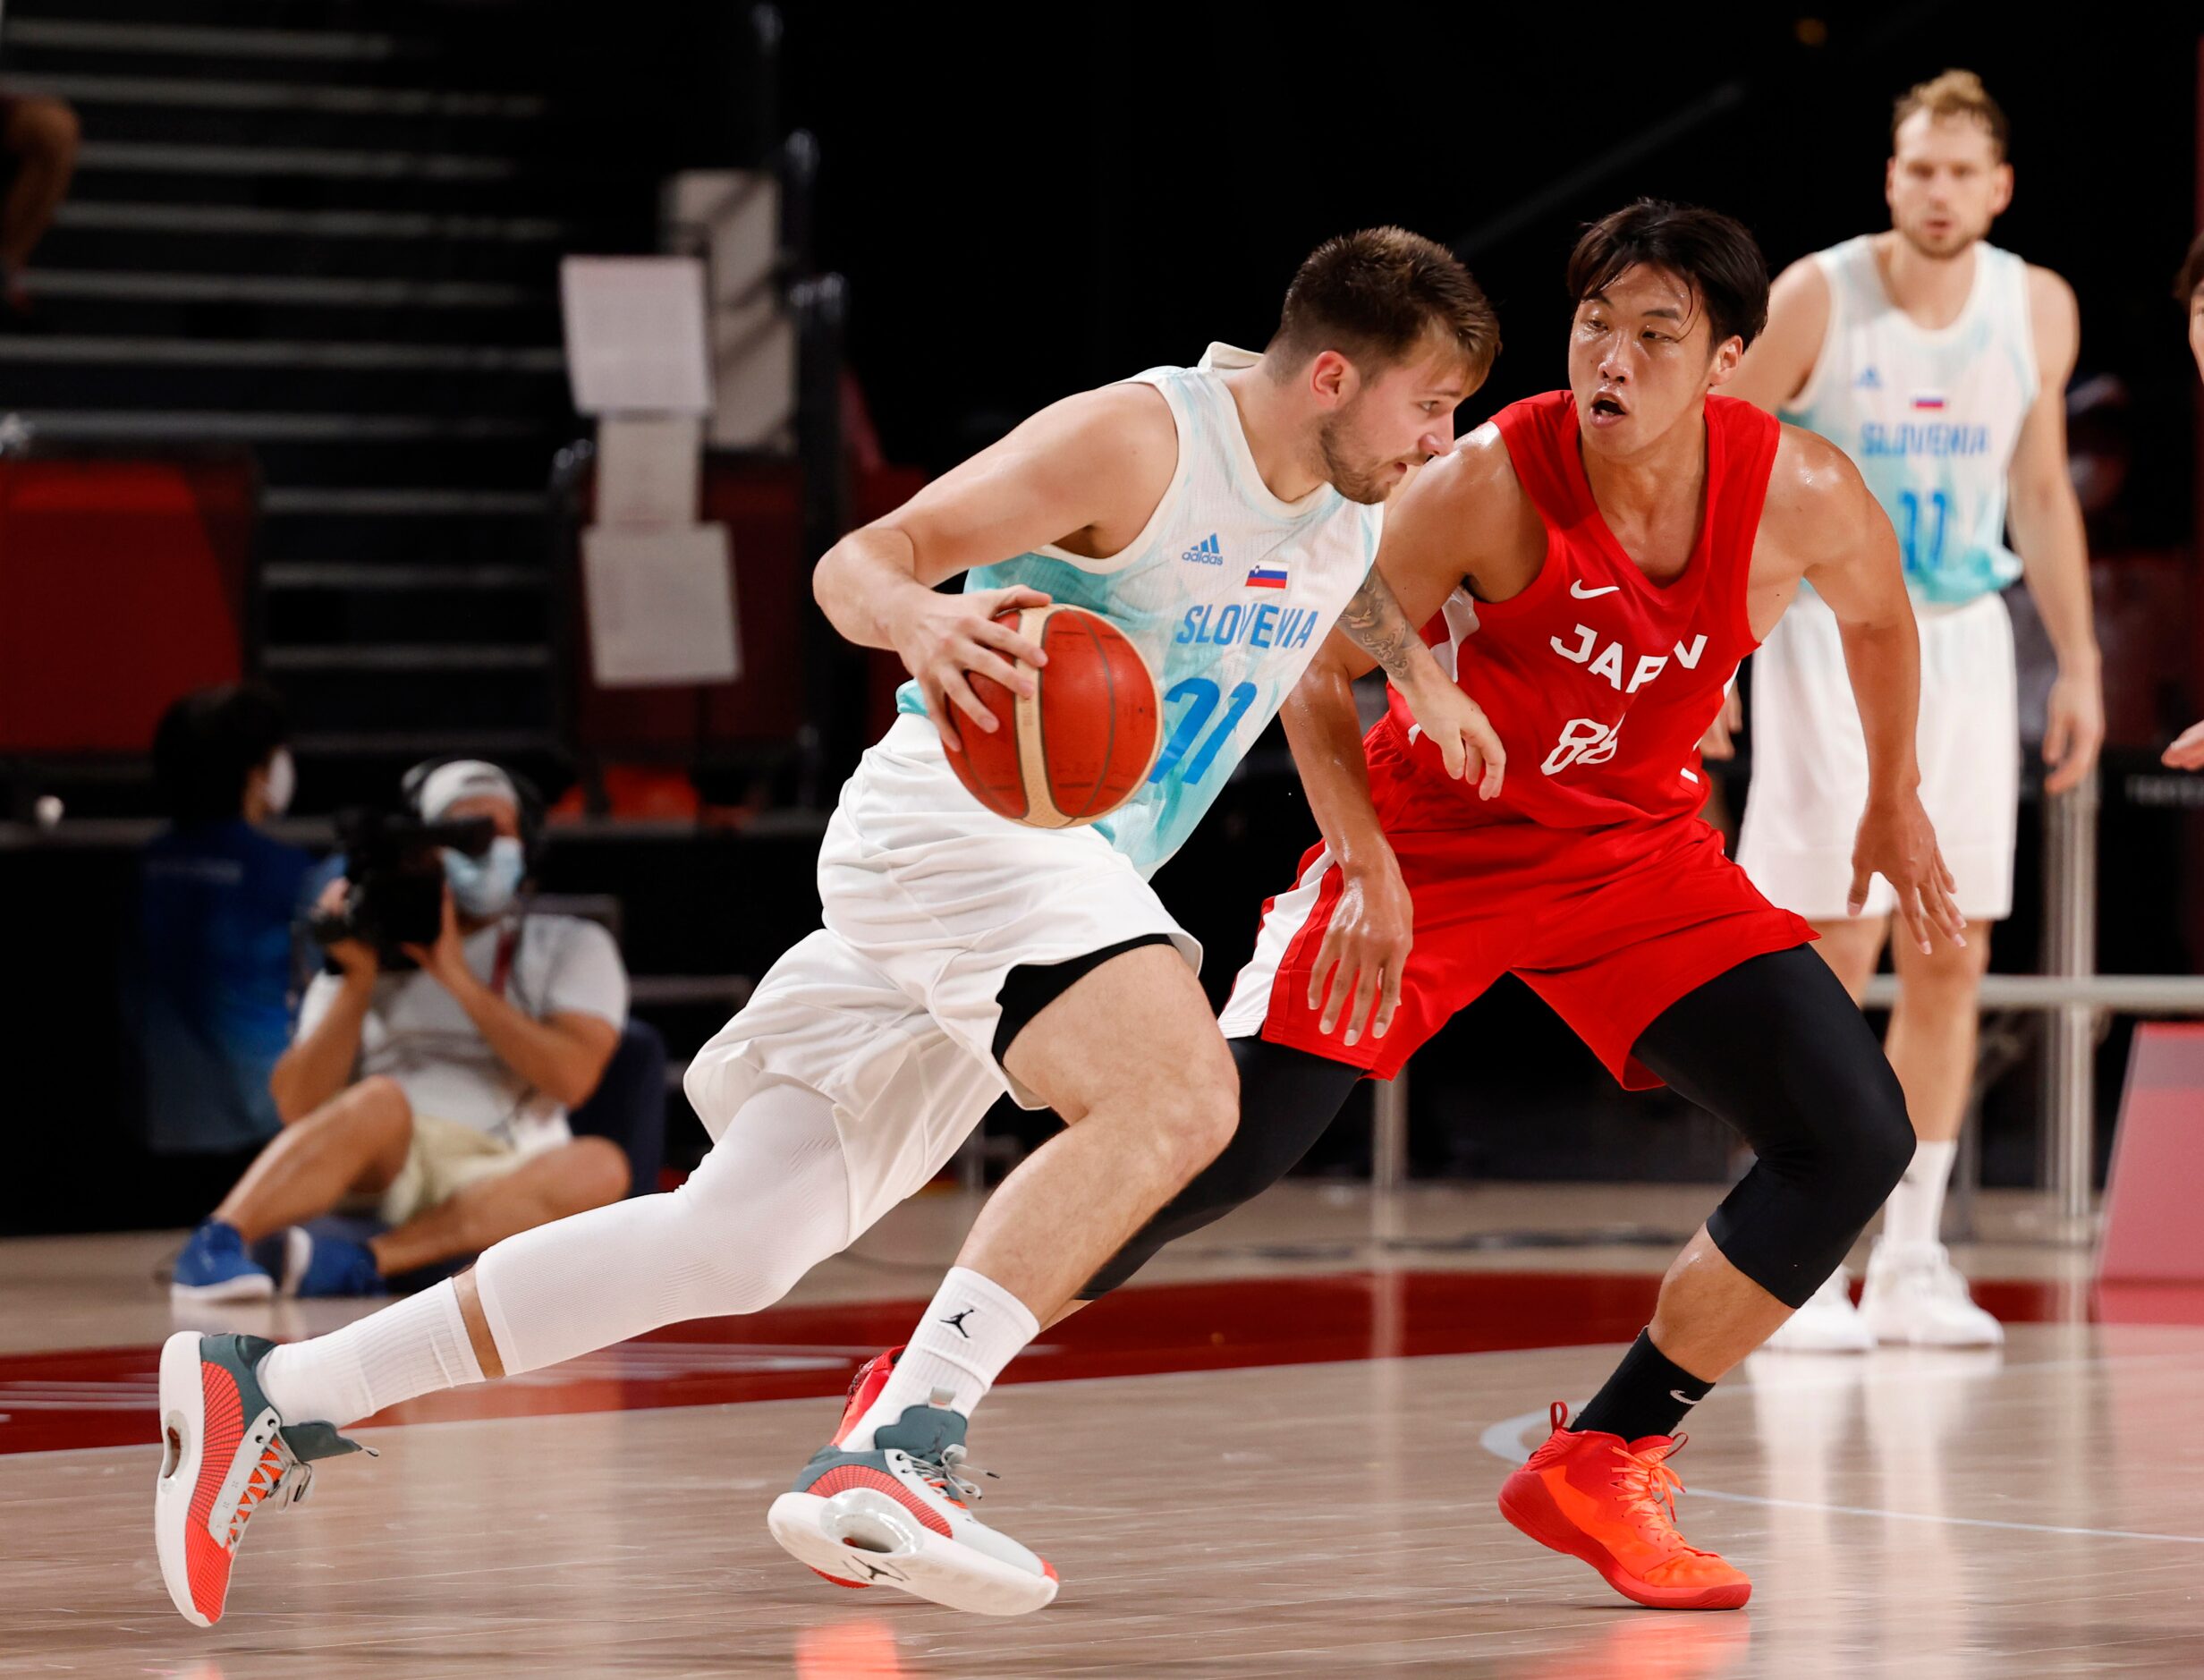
1287	1097
1774	1046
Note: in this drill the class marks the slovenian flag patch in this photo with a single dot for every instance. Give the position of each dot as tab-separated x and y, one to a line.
1929	400
1268	578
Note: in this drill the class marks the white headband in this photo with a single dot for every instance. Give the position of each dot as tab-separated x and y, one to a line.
464	778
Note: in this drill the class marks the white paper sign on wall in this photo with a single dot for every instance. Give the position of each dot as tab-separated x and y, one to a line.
661	605
635	340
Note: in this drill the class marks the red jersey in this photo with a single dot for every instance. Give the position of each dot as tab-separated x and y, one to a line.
1600	680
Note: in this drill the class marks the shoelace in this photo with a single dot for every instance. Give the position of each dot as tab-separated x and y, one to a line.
954	1483
1650	1490
272	1481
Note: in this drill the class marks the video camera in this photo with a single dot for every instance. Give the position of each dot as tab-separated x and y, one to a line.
395	895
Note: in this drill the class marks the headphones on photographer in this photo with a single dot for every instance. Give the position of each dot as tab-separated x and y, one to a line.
532	836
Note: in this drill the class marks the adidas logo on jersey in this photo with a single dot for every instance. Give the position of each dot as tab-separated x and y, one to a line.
1868	380
1207	552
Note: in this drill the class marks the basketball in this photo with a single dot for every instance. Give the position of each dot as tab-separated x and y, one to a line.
1086	739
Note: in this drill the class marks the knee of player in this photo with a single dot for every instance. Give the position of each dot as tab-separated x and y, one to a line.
1868	1142
1203	1113
740	1252
1886	1131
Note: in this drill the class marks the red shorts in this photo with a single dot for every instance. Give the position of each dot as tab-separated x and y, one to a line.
1609	925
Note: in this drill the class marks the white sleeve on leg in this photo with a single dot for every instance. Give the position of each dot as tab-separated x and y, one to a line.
770	1201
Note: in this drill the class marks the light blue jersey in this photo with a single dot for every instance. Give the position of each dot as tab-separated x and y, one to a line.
1929	416
1226	592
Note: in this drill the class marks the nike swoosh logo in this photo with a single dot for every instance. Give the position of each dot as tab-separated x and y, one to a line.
1577	588
1678	1394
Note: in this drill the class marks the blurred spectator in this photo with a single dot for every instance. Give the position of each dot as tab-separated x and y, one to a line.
2101	454
38	155
217	902
2189	292
433	1099
2187	753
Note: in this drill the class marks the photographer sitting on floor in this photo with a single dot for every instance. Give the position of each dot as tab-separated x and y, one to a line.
435	1096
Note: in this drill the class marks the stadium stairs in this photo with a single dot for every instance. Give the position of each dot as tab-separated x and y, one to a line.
332	232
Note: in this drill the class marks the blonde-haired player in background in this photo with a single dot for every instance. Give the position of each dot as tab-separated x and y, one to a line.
1939	363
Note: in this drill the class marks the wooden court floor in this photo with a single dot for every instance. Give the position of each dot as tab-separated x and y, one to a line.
1298	1508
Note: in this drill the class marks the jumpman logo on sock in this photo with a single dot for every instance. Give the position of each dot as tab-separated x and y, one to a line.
957	1323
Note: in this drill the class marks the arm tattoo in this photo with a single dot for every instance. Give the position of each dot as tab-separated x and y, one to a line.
1373	621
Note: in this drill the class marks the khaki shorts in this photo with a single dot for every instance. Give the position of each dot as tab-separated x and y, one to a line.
442	1159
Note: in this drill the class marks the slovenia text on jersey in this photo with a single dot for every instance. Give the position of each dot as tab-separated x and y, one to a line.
1227	593
1929	415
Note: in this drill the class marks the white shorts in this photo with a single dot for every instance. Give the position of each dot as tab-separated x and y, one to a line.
890	1010
1810	759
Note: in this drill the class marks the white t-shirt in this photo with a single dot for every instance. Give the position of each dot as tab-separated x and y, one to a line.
416	1033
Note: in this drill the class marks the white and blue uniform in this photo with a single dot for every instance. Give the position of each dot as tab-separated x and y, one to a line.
1931	418
930	900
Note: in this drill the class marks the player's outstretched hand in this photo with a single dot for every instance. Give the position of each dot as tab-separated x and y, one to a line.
1720	740
1897	842
2187	753
1465	738
1364	951
943	639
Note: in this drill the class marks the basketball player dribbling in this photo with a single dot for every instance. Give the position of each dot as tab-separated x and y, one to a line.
964	954
1938	363
1598	561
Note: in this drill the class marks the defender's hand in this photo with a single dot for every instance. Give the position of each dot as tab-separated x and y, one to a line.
2073	729
1896	841
1464	736
942	638
1720	740
444	961
2187	753
356	959
1364	951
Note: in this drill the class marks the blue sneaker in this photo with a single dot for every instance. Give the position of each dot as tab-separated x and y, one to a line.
900	1515
215	1267
326	1262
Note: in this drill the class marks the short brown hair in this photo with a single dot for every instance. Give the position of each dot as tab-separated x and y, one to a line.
1377	294
1954	93
2192	275
1710	252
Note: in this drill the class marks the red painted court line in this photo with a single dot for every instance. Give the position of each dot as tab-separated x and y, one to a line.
106	1396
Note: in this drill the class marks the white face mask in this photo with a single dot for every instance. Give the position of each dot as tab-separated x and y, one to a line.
283	781
483	887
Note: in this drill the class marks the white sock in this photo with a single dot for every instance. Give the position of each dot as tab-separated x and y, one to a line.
973	1329
1914	1216
413	1347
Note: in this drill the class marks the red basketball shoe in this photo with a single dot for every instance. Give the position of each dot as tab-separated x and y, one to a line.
864	1389
226	1452
1612	1503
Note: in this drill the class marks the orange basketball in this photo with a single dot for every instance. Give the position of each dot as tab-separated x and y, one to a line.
1084	743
